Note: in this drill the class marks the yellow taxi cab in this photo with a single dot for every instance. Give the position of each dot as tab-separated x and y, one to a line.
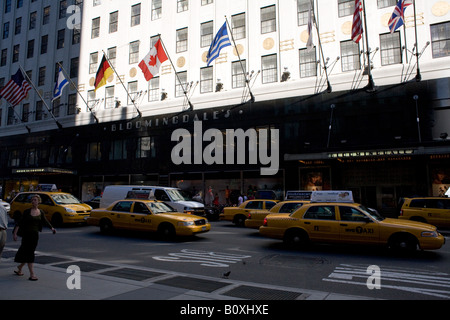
432	210
147	215
238	214
255	219
349	223
59	207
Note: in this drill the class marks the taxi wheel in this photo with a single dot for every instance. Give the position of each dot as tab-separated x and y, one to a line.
403	242
166	230
105	226
239	220
296	238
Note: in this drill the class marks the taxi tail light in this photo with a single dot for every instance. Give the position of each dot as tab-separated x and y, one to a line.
265	222
249	216
401	212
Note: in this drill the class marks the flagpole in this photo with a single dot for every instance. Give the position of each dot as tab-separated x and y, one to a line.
76	87
247	82
191	107
371	85
42	99
418	75
126	90
329	88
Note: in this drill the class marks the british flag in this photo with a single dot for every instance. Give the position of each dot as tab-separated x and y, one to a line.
357	29
398	16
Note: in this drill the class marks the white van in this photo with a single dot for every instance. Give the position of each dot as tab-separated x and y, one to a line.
170	196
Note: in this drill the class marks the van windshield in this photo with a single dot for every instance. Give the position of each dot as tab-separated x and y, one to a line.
65	199
160	207
175	195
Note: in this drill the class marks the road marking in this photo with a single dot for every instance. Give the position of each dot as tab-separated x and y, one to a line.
435	284
205	258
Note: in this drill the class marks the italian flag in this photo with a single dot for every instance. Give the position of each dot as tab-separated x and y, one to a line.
153	60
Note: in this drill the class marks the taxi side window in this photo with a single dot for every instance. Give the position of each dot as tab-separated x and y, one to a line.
123	206
437	204
289	207
254	205
270	204
140	207
320	213
46	200
351	214
417	203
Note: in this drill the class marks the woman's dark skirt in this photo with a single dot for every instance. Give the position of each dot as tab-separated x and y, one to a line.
25	254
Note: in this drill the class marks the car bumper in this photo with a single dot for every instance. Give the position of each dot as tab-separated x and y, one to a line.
249	223
75	218
192	230
434	243
270	232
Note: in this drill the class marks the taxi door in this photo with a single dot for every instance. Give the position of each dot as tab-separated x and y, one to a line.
356	227
321	224
437	212
140	217
120	214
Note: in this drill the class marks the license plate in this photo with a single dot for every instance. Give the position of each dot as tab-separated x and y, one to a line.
203	228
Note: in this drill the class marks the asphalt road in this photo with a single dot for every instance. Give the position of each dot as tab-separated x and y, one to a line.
243	255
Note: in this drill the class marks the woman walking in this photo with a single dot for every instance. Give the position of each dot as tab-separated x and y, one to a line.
29	226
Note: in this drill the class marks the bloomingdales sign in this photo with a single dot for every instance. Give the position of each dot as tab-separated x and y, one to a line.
166	121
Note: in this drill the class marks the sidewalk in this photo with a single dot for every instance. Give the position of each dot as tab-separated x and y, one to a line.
122	282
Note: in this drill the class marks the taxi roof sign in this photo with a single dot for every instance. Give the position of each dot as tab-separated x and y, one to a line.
332	196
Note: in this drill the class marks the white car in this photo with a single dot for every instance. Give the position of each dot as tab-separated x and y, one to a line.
5	204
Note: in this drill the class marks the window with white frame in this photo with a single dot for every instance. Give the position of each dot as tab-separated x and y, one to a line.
180	87
346	7
308	63
156	9
136	15
134	52
386	3
390	48
206	34
145	148
440	39
182	5
95	32
238	73
350	56
206	79
238	26
182	40
153	89
268	19
113	21
110	100
269	68
93	62
303	7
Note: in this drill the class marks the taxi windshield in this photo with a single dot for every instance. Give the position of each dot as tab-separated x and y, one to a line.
372	213
65	199
160	207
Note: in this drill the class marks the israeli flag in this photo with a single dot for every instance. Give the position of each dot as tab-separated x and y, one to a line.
220	41
60	84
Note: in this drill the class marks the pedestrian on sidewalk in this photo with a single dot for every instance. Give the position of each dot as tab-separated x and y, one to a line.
28	227
3	228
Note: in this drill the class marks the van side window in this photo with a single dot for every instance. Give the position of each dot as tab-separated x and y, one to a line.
161	195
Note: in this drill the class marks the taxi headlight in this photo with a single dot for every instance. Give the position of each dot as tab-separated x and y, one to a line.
429	234
71	212
185	223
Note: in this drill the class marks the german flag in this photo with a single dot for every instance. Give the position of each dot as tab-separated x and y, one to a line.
104	72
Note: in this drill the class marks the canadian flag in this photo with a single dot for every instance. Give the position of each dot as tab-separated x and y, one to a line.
153	60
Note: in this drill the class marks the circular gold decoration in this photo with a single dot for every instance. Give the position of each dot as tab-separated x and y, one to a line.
92	81
181	62
385	19
304	36
239	48
268	43
133	72
204	55
440	8
346	28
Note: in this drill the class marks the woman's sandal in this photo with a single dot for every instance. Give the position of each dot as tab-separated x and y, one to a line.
33	279
18	273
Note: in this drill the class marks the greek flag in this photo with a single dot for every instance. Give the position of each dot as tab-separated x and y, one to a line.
220	41
60	84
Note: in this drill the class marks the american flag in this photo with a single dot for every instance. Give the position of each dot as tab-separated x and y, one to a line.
357	29
398	16
16	89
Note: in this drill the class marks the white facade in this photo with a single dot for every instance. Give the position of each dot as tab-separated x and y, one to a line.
282	43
